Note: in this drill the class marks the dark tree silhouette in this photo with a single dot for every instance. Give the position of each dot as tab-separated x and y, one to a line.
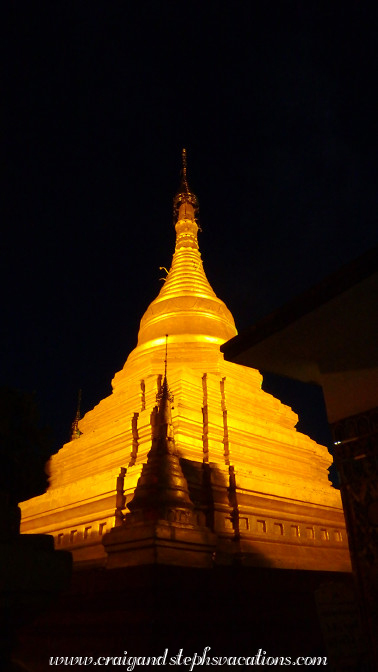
24	447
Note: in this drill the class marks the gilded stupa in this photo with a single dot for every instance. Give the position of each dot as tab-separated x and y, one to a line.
252	488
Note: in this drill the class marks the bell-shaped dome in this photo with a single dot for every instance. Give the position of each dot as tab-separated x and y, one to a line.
187	306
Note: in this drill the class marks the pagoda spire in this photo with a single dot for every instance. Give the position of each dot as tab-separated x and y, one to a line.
162	490
162	526
184	195
187	306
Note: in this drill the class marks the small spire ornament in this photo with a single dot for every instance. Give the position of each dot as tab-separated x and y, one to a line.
75	431
184	195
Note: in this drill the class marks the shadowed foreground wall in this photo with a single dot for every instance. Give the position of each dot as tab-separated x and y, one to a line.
143	610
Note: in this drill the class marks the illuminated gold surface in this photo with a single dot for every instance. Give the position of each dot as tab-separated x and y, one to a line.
186	303
271	500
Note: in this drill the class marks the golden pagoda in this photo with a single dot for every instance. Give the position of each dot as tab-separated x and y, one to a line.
249	487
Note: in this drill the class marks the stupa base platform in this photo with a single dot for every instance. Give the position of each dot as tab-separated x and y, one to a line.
159	543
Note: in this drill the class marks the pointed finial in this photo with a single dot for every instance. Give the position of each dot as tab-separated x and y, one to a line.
184	170
164	393
184	195
75	431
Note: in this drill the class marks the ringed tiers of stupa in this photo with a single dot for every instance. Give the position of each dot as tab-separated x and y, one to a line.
258	489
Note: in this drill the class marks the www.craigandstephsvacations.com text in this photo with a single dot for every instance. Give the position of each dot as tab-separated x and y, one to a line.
188	661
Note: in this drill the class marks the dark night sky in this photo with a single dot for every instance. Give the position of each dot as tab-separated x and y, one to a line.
276	104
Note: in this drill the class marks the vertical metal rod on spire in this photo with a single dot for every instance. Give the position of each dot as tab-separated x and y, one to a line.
166	356
184	166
